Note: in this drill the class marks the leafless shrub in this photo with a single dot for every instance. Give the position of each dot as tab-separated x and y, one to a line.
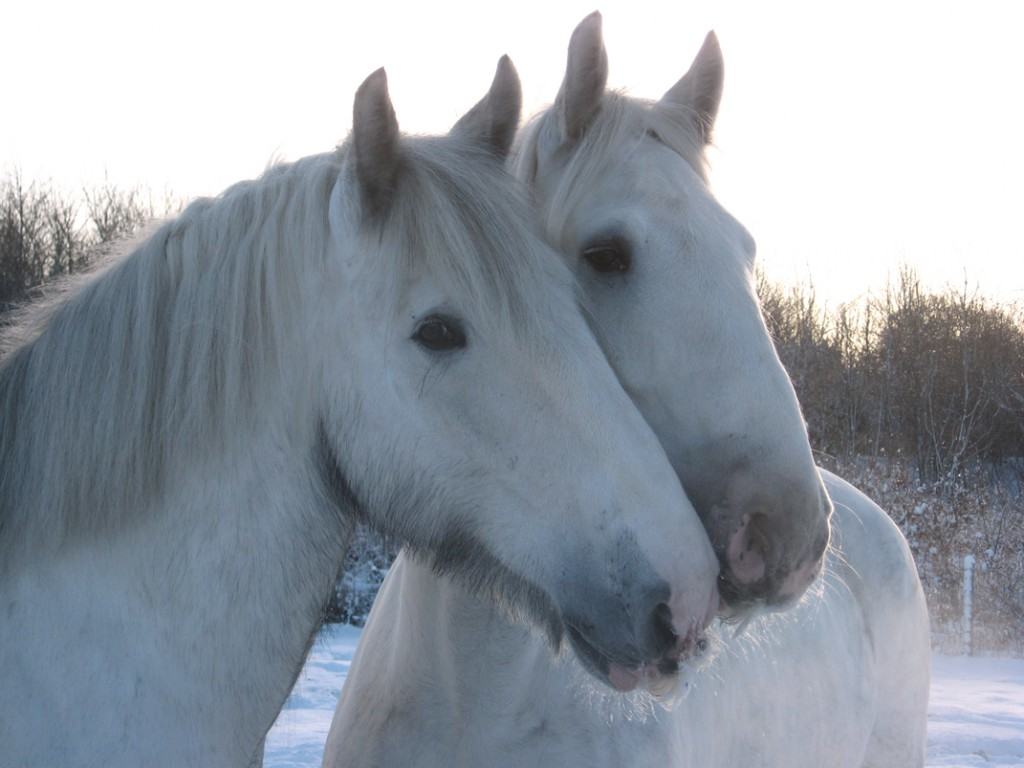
45	233
934	376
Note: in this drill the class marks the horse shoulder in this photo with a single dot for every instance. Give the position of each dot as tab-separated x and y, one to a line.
872	547
880	568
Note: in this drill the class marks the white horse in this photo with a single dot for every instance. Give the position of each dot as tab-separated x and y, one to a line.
377	333
840	681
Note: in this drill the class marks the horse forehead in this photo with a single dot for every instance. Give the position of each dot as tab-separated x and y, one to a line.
655	169
665	186
647	178
640	203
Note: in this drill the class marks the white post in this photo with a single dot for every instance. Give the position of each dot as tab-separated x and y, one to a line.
968	598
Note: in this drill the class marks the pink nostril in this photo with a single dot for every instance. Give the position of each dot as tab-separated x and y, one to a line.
745	553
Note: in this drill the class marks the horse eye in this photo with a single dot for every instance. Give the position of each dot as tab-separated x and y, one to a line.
609	256
440	334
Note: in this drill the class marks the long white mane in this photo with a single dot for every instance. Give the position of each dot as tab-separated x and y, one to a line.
174	345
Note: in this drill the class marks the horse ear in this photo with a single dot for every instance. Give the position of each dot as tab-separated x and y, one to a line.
586	75
699	91
494	119
375	143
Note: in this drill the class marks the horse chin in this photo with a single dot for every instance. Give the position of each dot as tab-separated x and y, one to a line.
662	680
591	658
739	609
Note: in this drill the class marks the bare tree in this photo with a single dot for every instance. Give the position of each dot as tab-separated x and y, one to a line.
45	233
117	213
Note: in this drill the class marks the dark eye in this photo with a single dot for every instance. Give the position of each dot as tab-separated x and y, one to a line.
611	255
440	334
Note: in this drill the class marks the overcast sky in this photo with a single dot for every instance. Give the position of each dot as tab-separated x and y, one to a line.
853	136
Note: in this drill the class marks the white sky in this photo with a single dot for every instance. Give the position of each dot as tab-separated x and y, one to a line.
853	136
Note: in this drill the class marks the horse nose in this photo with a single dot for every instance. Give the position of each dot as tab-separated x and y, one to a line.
761	562
669	639
666	633
661	635
749	548
801	577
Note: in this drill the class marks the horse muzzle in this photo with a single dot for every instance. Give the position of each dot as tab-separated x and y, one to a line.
651	657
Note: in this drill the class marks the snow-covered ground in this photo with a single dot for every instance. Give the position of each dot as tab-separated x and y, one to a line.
976	712
976	716
297	738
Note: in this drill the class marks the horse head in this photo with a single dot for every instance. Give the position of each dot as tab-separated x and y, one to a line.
473	413
667	276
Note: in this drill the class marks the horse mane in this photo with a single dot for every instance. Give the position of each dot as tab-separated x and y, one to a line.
161	355
620	124
477	221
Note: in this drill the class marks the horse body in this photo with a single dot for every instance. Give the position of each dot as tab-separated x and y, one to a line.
375	334
839	681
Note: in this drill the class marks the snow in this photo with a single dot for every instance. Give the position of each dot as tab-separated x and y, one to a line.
976	715
297	738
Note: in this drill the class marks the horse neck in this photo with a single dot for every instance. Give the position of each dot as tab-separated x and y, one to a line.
444	678
457	638
210	598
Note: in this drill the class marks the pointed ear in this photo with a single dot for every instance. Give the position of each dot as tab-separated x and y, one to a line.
375	143
699	91
586	75
494	119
